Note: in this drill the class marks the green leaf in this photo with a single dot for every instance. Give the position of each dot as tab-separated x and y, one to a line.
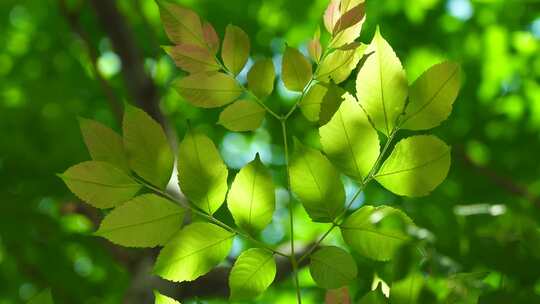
416	166
316	183
161	299
147	220
242	115
315	49
376	232
407	291
321	102
181	24
192	58
251	199
261	78
431	97
208	90
201	172
332	267
350	141
44	297
295	70
100	184
235	50
381	85
340	63
103	143
252	273
147	148
193	252
373	297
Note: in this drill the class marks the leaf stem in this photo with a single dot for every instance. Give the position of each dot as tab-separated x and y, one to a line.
209	217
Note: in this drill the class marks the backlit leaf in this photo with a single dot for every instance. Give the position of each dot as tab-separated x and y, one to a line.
193	252
208	90
376	232
349	140
381	85
331	15
417	165
211	37
147	220
242	115
315	49
340	63
147	148
407	291
316	183
261	78
251	199
349	19
296	70
235	50
332	267
252	273
373	297
201	172
431	96
192	58
100	184
321	102
181	24
161	299
103	143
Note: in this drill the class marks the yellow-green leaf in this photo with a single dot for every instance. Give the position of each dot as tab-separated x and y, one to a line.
103	143
208	90
376	232
235	50
100	184
431	97
181	24
211	37
261	78
316	183
202	174
242	115
349	140
147	220
251	274
161	299
381	85
295	70
340	63
251	199
192	58
44	297
332	267
331	15
321	102
416	166
149	153
407	290
193	252
350	18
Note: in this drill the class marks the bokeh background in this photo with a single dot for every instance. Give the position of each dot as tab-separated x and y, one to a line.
63	59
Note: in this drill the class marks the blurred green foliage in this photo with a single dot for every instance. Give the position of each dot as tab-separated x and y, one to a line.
480	230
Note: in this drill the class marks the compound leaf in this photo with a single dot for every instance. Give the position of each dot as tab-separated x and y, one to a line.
202	174
161	299
296	70
242	115
416	166
103	143
349	140
381	85
181	24
376	232
208	90
321	102
235	50
316	183
340	63
332	267
251	199
261	78
192	58
148	151
193	252
147	220
252	273
100	184
431	97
